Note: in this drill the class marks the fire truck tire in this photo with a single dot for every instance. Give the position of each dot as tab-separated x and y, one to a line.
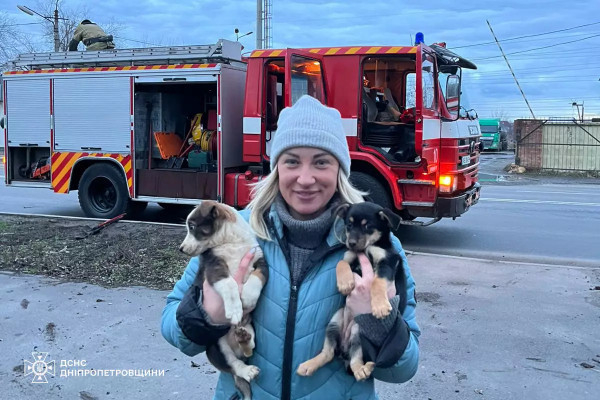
103	192
377	192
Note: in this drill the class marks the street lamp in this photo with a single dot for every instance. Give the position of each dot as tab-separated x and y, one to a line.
237	37
54	20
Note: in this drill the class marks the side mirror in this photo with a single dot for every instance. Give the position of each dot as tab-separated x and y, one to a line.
453	95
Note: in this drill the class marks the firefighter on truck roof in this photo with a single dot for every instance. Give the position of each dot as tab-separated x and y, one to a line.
92	36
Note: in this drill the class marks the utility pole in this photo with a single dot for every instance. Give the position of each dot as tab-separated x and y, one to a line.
509	67
259	25
56	42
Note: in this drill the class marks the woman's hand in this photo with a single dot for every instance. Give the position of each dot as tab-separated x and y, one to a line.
359	300
212	301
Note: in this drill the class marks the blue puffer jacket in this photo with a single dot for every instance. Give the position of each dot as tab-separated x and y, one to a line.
290	324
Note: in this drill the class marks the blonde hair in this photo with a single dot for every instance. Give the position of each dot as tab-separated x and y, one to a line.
265	192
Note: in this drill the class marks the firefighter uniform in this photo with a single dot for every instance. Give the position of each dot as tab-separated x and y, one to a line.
92	36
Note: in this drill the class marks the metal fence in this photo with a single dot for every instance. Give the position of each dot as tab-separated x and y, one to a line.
558	144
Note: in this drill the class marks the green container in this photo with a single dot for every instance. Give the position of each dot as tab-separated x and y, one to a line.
198	159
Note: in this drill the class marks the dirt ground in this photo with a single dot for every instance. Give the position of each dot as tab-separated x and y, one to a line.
122	254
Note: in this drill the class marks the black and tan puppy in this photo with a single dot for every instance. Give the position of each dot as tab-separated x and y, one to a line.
367	230
221	238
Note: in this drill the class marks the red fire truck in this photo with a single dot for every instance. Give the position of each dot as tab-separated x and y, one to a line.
174	125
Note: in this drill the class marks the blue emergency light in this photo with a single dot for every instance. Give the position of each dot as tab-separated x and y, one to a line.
419	38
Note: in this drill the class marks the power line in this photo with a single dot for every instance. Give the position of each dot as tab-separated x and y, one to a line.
539	48
528	36
28	23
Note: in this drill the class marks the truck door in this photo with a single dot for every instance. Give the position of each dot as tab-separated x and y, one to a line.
303	75
427	118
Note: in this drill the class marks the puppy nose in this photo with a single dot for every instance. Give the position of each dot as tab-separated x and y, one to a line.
181	249
352	243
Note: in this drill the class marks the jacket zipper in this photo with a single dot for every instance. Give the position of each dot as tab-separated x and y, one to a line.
290	325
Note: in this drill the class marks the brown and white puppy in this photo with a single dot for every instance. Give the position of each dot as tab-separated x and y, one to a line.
367	230
221	237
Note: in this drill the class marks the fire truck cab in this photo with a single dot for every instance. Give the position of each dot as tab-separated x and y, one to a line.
413	147
174	125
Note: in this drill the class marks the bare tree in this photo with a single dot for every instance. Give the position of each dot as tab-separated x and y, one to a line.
500	114
73	16
12	40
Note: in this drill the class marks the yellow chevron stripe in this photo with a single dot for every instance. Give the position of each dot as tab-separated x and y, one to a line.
333	50
373	50
66	169
64	188
275	53
352	50
314	50
112	69
413	50
59	161
127	167
120	158
394	50
257	53
127	68
129	182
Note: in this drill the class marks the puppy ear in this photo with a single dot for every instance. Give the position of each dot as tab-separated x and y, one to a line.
342	210
391	218
222	211
214	211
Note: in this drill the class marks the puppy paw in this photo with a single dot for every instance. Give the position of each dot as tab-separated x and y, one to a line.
364	372
307	368
345	278
249	298
381	308
242	335
234	312
249	372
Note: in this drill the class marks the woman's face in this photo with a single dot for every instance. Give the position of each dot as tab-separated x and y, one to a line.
307	180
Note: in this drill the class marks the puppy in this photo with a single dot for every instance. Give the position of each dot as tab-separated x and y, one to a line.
367	230
221	238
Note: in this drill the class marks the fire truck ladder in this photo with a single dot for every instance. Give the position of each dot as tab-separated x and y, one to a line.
224	51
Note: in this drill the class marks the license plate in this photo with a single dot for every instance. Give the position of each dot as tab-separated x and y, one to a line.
466	160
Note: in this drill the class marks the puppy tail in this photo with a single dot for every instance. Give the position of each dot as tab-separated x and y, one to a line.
243	386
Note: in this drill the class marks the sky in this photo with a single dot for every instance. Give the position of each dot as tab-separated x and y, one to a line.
554	70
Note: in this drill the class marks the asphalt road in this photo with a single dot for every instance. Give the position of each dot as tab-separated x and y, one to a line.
520	220
537	223
514	331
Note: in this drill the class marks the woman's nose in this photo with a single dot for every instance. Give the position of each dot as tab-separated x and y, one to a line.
306	177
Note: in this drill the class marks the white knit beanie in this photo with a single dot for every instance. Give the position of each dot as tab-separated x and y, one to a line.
308	123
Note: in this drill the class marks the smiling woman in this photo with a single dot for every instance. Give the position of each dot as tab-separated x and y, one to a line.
307	180
292	214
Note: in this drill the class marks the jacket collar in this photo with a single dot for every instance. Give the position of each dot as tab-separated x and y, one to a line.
335	232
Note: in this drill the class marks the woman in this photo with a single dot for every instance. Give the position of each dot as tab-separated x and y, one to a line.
291	214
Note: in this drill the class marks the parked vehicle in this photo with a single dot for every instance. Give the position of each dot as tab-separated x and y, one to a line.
174	125
492	135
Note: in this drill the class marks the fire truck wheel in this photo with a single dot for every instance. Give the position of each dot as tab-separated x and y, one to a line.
103	192
377	192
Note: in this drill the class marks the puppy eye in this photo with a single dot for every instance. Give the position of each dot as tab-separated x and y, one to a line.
349	225
191	226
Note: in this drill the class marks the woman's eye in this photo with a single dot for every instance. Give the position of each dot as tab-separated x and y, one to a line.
291	161
322	163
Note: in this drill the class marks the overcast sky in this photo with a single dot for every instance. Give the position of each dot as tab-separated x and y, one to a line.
552	77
